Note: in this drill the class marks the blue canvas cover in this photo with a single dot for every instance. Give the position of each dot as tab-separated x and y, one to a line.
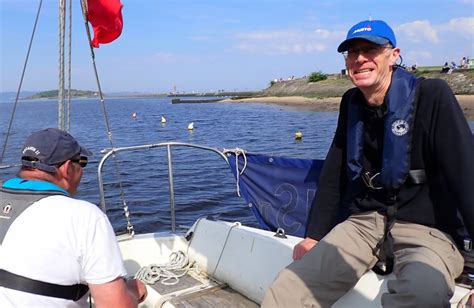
279	190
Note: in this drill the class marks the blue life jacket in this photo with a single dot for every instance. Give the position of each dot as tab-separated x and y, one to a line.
401	103
398	128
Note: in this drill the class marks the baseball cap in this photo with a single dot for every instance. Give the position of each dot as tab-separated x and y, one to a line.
47	148
375	31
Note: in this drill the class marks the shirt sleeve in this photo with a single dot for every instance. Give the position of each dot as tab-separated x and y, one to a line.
326	205
102	261
453	147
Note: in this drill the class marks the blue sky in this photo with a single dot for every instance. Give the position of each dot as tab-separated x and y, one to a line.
204	45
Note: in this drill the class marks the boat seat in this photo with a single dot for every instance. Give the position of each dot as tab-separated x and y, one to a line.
247	259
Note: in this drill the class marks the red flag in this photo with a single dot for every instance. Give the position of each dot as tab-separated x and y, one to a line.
105	17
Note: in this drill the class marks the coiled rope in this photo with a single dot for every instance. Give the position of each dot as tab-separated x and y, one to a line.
169	273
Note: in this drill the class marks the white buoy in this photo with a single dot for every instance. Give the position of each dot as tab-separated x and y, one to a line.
134	115
163	119
298	135
191	126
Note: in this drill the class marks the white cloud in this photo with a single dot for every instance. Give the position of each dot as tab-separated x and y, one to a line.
436	43
322	33
462	26
418	56
284	42
418	31
422	31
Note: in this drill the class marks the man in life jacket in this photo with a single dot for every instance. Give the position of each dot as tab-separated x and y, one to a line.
53	248
401	142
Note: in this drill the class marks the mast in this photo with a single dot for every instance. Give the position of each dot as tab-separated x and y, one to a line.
62	27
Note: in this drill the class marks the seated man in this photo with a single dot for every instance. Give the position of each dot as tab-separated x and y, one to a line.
397	135
445	69
54	248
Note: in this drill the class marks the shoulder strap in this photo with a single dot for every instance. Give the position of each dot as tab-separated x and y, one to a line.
21	283
15	202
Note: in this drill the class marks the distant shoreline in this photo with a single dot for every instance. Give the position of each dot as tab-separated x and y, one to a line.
332	103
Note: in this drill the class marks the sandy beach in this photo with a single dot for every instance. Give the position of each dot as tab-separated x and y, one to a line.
332	103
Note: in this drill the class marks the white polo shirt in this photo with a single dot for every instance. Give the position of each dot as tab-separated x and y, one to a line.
59	240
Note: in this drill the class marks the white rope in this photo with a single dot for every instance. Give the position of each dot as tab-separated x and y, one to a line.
238	173
169	273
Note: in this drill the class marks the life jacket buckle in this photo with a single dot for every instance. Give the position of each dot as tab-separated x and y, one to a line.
369	180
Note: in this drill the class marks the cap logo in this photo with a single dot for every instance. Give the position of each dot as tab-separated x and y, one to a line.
33	149
400	127
368	28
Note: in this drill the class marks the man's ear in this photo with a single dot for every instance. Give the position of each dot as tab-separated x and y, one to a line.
395	54
65	169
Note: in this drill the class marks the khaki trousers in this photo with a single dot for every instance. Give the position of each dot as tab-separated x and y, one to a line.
426	264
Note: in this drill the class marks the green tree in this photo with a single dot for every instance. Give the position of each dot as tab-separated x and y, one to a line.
317	76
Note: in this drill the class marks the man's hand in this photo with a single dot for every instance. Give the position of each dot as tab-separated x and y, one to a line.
303	247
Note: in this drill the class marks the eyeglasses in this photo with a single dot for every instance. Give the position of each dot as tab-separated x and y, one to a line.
369	51
81	161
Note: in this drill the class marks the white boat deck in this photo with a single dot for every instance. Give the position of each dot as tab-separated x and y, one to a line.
237	264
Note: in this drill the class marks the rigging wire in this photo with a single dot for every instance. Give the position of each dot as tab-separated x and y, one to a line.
62	30
130	227
10	124
68	104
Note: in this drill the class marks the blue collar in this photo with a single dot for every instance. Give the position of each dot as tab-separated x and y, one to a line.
22	184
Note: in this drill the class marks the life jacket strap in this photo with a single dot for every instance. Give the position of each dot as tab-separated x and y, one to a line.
385	247
417	176
24	284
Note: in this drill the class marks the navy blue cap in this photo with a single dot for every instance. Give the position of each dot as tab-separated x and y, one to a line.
47	148
375	31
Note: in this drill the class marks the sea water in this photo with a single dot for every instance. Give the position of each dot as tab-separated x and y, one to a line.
203	183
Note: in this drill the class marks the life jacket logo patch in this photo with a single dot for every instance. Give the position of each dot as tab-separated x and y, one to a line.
6	209
400	127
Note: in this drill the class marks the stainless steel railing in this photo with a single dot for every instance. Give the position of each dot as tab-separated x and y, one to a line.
168	146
